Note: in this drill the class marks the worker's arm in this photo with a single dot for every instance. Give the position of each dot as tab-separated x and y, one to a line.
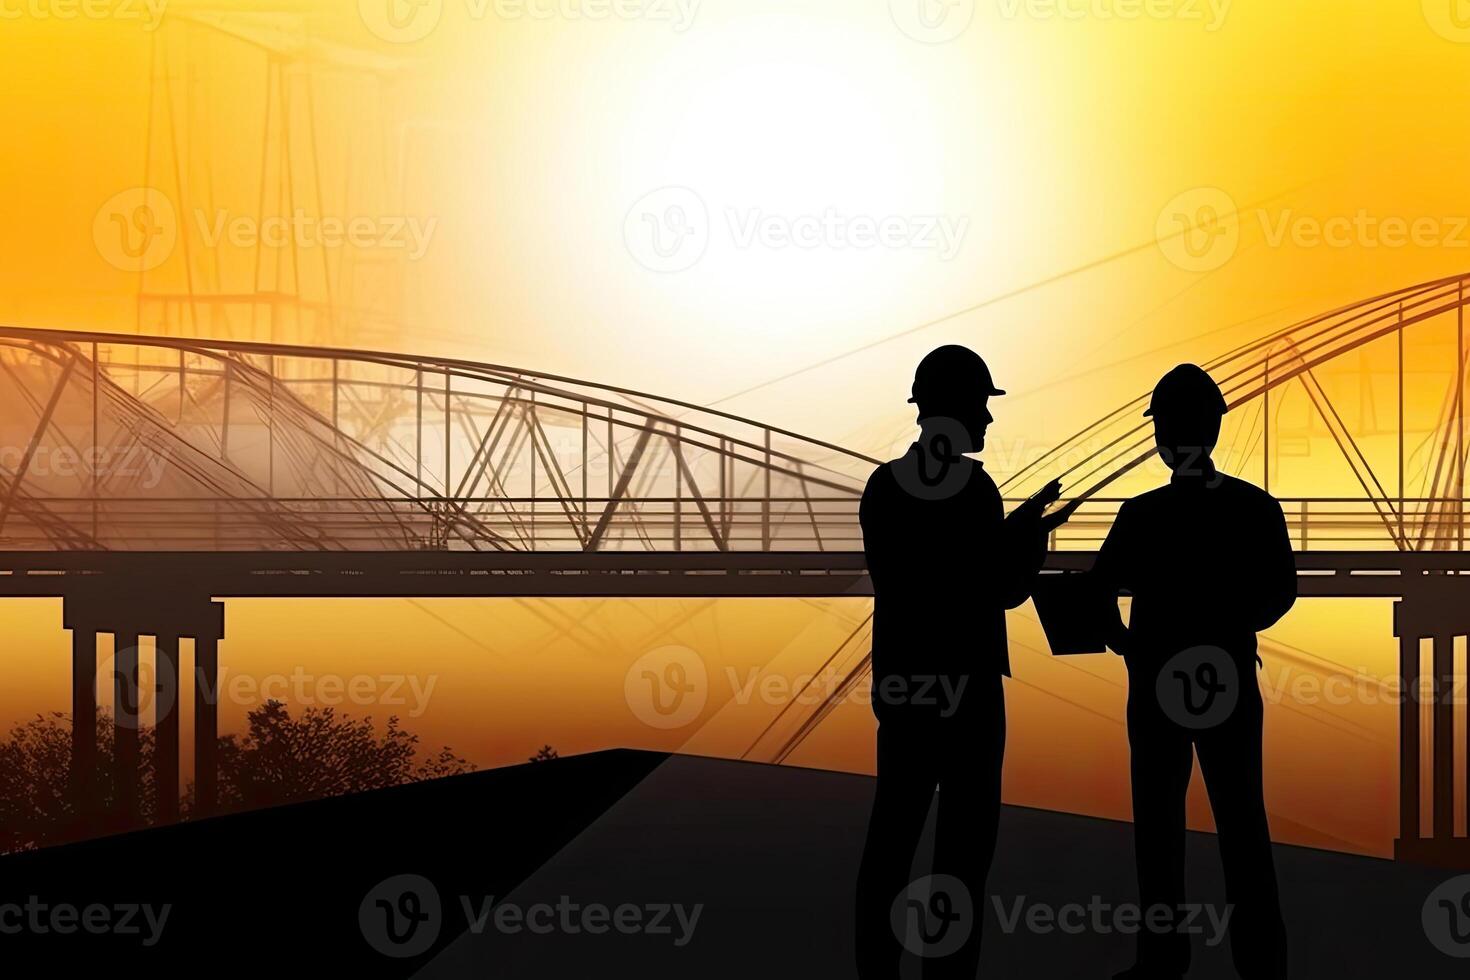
1023	550
1276	584
1024	535
877	531
1109	574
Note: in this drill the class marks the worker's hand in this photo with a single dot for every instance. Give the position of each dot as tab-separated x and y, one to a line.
1050	522
1048	494
1031	508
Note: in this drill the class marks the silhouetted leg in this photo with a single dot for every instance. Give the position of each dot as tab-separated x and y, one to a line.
907	767
969	817
1161	760
1230	759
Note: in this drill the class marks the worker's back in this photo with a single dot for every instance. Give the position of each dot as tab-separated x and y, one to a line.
1208	561
945	566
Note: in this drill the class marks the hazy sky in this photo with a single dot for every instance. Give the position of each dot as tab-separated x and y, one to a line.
697	198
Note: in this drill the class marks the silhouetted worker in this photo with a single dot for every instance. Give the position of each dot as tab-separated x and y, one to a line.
946	563
1209	565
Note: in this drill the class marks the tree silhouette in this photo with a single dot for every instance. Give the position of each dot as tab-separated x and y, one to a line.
545	754
278	760
282	759
36	806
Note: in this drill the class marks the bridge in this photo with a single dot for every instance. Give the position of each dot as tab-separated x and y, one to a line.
148	479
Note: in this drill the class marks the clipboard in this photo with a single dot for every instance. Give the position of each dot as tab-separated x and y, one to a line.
1074	615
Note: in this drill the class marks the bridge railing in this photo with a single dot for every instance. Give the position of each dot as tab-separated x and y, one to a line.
1313	524
545	524
649	524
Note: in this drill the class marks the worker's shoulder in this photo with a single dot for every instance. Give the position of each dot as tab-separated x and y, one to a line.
1230	489
882	489
1248	493
881	479
1147	501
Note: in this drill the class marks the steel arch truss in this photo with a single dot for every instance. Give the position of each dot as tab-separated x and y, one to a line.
115	442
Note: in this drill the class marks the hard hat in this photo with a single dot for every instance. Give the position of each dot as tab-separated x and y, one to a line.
1187	390
951	372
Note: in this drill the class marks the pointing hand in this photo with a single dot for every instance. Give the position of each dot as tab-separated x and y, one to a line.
1050	522
1031	508
1049	494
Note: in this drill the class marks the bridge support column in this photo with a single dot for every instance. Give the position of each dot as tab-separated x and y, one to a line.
83	775
166	727
126	721
206	722
167	620
1437	609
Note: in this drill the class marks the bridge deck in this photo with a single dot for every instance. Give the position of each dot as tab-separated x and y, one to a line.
428	574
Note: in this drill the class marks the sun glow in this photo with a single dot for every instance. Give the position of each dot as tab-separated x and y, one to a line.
781	177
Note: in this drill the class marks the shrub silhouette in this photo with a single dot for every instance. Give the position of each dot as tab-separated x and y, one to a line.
278	760
36	807
281	759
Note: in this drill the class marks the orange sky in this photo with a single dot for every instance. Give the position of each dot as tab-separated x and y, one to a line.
504	162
